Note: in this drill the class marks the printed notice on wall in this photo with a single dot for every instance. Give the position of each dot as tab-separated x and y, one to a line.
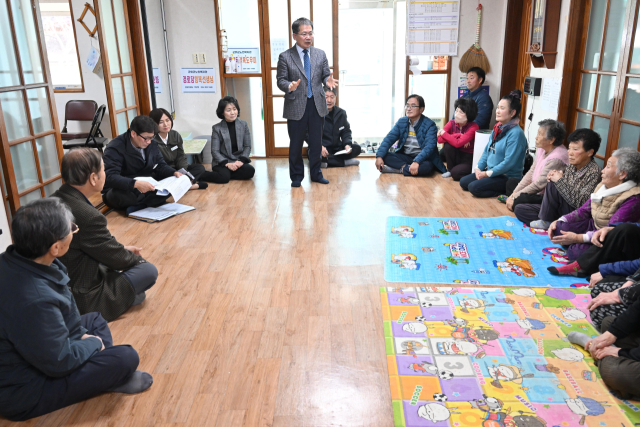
157	82
550	94
198	80
432	27
247	60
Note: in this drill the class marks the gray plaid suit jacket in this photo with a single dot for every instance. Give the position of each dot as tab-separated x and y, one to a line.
290	69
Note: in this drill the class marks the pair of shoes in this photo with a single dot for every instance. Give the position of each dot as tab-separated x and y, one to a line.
295	184
324	165
387	169
321	181
543	225
502	199
139	298
447	174
572	269
352	162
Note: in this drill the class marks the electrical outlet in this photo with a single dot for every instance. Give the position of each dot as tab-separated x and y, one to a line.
203	58
195	58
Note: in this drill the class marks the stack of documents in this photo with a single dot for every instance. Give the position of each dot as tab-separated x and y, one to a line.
161	212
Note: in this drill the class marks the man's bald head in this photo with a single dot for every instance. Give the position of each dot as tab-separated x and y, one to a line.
78	165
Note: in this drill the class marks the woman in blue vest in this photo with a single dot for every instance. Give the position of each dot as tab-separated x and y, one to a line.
503	157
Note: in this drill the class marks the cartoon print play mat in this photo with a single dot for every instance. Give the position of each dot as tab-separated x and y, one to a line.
498	251
496	357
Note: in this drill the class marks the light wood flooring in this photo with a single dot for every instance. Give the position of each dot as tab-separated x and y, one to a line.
267	308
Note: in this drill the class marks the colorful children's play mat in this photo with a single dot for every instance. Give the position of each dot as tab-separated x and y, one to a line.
494	357
498	251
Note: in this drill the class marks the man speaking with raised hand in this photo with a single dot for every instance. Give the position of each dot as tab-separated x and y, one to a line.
302	71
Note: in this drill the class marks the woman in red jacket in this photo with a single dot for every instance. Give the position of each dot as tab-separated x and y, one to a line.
458	136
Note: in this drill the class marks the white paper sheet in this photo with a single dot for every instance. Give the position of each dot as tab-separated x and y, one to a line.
177	187
550	94
432	27
162	212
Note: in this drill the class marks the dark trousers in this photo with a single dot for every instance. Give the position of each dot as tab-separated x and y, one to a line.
403	161
141	276
103	371
243	173
333	161
553	204
619	373
458	162
121	199
492	186
511	185
620	244
310	123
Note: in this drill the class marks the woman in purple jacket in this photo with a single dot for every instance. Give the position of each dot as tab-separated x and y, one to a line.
615	200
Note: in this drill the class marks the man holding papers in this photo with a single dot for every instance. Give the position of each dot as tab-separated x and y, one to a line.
131	155
105	276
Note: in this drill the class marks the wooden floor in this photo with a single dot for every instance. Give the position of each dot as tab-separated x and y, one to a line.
267	308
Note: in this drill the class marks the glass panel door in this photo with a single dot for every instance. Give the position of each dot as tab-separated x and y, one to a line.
117	62
609	100
30	145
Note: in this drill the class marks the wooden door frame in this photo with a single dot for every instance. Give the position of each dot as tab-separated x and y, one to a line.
106	71
14	195
139	56
577	31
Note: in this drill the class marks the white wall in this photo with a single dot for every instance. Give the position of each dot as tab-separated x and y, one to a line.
5	237
494	16
93	83
190	28
533	103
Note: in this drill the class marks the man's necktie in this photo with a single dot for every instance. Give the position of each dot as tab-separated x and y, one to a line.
307	71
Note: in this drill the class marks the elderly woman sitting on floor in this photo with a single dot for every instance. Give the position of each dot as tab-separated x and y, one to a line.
616	200
550	155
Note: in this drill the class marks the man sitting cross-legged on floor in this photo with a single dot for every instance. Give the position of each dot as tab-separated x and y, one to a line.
50	356
336	136
106	276
417	136
130	155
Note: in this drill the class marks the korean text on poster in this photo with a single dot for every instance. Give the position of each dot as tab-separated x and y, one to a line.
249	59
157	81
432	27
198	80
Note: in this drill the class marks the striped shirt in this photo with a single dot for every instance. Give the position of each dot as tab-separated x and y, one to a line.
411	146
576	186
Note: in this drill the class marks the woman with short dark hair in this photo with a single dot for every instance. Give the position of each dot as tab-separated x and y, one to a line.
231	143
503	157
458	137
170	145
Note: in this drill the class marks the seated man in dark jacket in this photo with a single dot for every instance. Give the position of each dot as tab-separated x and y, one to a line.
417	136
134	154
336	136
106	276
50	356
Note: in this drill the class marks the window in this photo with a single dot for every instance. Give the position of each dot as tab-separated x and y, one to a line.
62	48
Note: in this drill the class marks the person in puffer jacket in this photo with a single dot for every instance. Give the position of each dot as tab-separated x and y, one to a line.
417	136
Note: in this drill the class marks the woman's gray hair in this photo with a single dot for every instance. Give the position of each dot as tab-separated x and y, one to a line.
629	162
36	226
555	130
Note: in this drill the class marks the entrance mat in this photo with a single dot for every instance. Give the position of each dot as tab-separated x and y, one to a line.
494	357
496	251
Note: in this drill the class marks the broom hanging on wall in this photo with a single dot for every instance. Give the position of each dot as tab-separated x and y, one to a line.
475	56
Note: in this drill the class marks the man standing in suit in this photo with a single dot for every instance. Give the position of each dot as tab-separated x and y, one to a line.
302	71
